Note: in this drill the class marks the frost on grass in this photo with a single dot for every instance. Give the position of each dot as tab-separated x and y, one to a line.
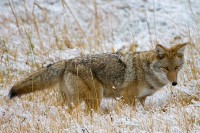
34	34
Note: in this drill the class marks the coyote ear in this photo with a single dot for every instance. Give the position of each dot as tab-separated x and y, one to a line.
180	48
160	50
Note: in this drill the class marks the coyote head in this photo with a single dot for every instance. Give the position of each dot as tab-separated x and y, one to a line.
168	63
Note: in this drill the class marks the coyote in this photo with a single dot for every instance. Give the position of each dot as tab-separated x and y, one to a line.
91	77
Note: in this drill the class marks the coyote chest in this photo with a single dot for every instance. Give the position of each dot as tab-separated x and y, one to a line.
146	92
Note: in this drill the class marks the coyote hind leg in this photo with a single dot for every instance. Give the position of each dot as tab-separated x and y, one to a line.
94	95
93	100
72	88
77	89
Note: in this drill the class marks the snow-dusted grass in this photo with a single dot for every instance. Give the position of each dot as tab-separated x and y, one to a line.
34	34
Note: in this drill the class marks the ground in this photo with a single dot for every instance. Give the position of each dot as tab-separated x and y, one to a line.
35	33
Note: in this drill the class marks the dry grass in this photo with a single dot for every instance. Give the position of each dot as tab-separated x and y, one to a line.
30	41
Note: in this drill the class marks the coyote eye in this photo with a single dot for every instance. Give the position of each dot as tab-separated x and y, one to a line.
166	68
176	67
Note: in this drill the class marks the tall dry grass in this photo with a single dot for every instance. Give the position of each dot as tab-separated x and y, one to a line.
30	44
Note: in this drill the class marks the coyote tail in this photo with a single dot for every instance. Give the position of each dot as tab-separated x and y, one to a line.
39	80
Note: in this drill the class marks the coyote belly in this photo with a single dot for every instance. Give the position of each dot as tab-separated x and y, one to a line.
92	77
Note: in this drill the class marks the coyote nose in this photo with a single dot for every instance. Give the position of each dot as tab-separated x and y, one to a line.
174	83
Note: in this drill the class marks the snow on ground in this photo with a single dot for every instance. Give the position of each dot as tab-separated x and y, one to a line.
42	32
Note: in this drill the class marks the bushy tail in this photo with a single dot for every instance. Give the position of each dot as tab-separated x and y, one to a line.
39	80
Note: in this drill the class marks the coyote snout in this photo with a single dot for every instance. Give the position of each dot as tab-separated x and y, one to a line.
174	83
172	77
